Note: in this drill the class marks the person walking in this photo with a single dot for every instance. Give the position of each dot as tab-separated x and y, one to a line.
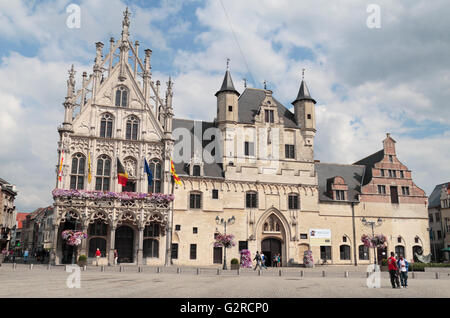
275	261
263	260
97	255
278	260
25	256
403	266
258	260
393	271
116	256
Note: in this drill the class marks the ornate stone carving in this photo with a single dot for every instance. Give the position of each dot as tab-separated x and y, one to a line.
105	147
130	148
154	151
79	144
131	166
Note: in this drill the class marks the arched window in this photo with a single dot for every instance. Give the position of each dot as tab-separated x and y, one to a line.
251	199
363	252
272	224
155	167
399	250
152	230
132	128
106	125
97	242
98	228
77	173
345	252
102	179
151	248
122	96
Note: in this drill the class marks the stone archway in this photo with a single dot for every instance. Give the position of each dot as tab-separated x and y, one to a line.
272	234
124	244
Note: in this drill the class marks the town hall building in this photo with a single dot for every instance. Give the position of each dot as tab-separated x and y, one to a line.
252	166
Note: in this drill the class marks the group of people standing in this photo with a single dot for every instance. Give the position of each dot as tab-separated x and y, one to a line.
398	268
260	259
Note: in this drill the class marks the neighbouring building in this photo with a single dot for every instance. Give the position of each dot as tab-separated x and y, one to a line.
37	231
8	212
253	164
439	219
16	238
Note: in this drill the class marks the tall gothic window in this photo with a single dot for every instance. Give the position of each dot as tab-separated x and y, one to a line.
77	173
103	175
122	96
106	124
251	200
132	128
155	167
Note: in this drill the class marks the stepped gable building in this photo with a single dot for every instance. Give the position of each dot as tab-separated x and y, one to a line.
253	164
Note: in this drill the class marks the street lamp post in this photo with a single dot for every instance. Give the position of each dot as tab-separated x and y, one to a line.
372	224
230	221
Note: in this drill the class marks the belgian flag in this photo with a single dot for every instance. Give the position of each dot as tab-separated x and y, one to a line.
122	175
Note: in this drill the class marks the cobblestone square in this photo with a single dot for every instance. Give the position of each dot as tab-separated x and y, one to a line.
131	283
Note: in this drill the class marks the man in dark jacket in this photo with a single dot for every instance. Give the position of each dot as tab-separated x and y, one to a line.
258	260
393	271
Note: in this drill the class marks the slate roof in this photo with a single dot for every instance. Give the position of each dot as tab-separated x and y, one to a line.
434	200
370	162
210	170
352	174
249	103
227	84
303	93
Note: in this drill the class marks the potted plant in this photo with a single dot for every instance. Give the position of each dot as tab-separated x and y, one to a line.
82	260
234	264
384	265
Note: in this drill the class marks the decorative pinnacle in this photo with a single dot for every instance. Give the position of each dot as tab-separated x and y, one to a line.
265	84
303	74
245	82
126	18
228	63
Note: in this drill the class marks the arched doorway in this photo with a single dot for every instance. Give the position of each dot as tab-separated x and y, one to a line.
69	253
124	242
271	247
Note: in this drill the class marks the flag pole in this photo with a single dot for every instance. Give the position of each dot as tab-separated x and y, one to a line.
169	230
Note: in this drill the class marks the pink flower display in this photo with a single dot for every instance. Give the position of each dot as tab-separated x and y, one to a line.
374	241
123	196
73	238
246	259
225	240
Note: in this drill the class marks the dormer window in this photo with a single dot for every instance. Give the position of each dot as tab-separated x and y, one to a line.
337	188
122	96
269	117
196	171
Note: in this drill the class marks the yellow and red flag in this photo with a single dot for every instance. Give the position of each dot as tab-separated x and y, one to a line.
176	178
61	165
89	168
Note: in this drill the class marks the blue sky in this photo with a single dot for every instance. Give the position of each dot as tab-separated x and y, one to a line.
367	82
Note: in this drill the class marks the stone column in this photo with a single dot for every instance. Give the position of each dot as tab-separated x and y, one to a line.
83	249
54	259
140	255
112	242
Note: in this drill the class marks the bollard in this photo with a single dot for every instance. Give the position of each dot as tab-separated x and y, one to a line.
302	273
121	268
279	272
102	269
324	274
84	268
259	272
368	274
239	272
139	269
346	274
158	270
31	266
14	265
413	275
437	275
218	271
198	271
48	266
178	270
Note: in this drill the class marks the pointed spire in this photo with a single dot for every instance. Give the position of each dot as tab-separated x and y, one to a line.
125	25
227	84
303	92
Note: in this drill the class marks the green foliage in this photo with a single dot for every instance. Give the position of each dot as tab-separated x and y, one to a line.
420	267
384	262
82	258
234	261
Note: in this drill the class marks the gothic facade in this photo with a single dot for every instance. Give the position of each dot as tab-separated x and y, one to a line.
252	165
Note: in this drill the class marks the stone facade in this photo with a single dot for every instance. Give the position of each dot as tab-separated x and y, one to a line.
439	220
259	168
8	212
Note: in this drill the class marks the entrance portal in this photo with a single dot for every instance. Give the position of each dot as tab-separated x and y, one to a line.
124	244
270	247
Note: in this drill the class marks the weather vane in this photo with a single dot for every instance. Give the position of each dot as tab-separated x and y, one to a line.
228	63
303	74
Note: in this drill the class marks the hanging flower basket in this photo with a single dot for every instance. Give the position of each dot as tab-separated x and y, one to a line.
374	241
73	238
224	240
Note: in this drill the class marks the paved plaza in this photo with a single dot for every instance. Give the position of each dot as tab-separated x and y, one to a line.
205	283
